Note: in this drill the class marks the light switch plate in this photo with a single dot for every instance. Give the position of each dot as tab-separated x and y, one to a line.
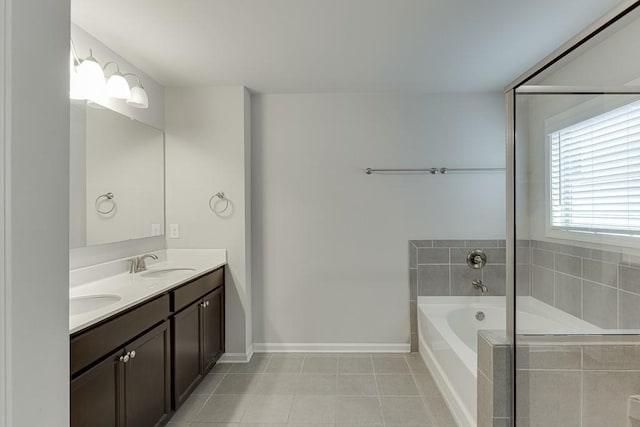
175	231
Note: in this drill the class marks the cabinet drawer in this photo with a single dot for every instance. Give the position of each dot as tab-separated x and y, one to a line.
185	295
89	346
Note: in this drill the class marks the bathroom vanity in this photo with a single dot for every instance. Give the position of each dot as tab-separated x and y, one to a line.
135	361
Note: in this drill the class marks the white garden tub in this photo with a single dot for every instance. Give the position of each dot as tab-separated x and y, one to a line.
448	331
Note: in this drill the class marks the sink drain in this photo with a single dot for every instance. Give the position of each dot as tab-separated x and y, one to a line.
480	315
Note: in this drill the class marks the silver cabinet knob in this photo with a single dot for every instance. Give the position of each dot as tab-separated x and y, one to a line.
206	304
133	354
125	358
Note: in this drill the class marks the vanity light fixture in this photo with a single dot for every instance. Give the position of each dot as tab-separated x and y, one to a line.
117	86
87	82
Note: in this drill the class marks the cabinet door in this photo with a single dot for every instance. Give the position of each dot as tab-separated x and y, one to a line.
147	383
187	351
95	395
213	328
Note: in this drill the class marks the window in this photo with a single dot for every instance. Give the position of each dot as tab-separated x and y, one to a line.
595	174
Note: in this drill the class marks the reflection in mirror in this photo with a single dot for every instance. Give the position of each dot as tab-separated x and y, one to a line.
116	178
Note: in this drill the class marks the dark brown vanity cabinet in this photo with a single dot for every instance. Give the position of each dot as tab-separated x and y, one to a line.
125	369
131	387
198	334
95	395
147	379
212	328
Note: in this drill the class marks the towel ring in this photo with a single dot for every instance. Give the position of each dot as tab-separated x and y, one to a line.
103	198
220	195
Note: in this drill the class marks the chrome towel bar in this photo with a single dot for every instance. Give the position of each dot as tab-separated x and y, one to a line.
433	171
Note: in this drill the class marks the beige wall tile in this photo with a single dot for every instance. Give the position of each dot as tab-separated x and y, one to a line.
605	397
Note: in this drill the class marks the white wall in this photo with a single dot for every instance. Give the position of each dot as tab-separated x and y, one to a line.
330	258
247	223
77	176
153	116
208	150
36	205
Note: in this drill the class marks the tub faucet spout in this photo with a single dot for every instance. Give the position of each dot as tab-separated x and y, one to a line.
477	284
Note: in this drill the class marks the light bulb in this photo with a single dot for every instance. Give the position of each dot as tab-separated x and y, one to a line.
138	98
90	78
117	87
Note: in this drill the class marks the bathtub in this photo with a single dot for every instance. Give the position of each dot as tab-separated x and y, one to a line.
448	332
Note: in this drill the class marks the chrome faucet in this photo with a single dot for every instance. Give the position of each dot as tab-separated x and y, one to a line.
477	284
138	264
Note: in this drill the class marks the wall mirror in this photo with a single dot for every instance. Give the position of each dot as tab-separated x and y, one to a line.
116	177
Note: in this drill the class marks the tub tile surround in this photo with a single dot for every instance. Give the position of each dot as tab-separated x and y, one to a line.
582	381
494	379
439	268
600	287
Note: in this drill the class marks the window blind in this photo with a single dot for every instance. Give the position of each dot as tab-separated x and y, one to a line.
595	173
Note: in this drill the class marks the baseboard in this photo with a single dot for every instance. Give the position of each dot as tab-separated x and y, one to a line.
330	348
237	357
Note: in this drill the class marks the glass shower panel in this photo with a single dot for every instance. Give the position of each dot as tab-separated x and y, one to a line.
577	270
607	59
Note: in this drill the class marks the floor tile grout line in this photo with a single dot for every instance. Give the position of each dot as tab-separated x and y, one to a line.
304	360
423	397
420	395
335	398
195	416
375	379
218	385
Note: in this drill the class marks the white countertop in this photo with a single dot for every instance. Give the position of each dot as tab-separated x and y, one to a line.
113	278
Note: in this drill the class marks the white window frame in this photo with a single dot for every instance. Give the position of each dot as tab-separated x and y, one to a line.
579	113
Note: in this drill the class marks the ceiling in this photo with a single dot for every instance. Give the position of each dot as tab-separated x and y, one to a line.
286	46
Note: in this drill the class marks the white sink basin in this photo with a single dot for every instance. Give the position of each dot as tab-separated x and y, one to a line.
163	272
79	305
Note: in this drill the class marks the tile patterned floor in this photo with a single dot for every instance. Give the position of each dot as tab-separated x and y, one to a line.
293	389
